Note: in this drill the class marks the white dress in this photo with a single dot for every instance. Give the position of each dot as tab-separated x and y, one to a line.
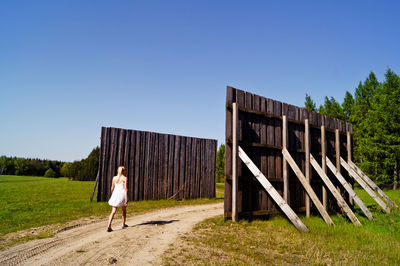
118	197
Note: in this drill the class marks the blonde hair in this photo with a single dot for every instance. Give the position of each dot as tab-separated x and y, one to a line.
120	170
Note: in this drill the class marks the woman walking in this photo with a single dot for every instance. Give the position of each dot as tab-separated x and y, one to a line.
119	197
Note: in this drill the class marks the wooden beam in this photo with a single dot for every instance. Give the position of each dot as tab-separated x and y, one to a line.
307	187
272	192
349	189
364	185
269	115
341	202
284	165
307	157
349	155
323	162
235	120
373	185
337	152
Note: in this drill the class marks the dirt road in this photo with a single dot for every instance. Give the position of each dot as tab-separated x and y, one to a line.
142	243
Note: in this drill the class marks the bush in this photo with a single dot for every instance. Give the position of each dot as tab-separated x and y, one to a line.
50	173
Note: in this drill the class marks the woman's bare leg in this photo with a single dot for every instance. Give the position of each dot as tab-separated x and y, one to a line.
123	216
113	211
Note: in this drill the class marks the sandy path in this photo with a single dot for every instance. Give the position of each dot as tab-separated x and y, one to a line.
143	242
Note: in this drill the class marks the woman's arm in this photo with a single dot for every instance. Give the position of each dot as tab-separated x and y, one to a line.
126	189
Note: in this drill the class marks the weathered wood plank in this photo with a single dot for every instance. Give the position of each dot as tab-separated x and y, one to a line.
235	121
307	187
372	184
364	185
284	166
341	202
307	161
272	192
349	189
323	163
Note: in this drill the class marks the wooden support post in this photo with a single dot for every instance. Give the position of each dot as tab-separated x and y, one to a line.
364	185
284	167
235	120
349	156
95	184
323	162
272	192
349	189
373	185
307	151
307	186
337	153
341	202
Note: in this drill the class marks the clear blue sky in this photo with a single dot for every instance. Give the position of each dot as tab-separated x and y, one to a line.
69	67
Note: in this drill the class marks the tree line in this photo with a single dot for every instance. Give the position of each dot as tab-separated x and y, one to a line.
83	170
374	111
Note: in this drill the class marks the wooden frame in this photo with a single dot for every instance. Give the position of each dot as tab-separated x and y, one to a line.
349	190
364	185
341	202
373	185
307	187
272	192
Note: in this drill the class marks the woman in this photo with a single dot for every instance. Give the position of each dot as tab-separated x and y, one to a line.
119	196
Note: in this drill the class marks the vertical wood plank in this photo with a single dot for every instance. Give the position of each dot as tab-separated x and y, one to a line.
307	155
323	155
337	153
349	157
285	169
234	162
176	166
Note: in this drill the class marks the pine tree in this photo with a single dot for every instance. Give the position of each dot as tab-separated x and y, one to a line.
386	120
347	105
362	117
220	169
309	103
332	108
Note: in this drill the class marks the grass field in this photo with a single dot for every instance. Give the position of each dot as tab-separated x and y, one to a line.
276	241
27	202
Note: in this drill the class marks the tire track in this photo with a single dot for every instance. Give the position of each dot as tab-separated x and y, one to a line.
144	241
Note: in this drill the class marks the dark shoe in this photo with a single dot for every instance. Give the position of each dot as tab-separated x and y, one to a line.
109	229
124	226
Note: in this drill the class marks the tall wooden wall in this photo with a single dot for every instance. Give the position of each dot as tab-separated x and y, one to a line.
260	136
159	166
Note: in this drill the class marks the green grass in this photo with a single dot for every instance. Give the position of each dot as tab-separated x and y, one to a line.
220	190
27	202
276	241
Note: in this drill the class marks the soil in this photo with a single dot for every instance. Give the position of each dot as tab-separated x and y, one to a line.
142	243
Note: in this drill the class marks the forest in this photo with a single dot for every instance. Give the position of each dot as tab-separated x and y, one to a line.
374	111
83	170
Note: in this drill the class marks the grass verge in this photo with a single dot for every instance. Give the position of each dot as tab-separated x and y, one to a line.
276	241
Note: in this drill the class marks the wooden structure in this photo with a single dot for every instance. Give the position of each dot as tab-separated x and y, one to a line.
290	148
159	166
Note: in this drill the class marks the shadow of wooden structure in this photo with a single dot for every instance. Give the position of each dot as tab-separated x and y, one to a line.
159	166
277	158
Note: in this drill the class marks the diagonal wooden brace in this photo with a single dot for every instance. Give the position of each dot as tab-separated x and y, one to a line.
307	186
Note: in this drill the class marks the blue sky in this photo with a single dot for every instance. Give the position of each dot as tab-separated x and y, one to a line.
69	67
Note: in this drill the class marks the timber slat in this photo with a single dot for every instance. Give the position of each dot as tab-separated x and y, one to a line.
307	187
349	189
364	185
341	202
272	191
373	185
